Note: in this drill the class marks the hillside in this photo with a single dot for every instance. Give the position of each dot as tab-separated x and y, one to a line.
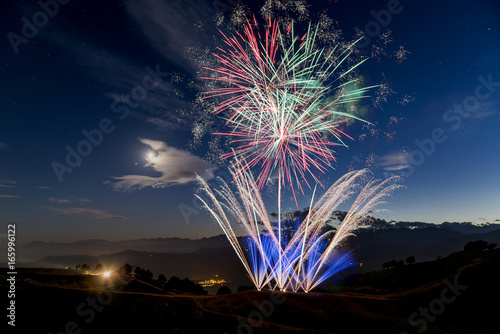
379	246
385	301
201	264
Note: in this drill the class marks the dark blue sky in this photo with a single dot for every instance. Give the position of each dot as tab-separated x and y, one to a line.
74	72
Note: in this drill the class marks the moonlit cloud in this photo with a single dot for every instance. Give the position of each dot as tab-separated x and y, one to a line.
175	166
85	212
3	146
9	196
394	161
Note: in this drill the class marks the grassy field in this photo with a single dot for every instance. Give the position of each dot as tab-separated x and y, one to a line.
452	295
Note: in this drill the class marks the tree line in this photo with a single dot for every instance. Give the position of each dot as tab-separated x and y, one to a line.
174	283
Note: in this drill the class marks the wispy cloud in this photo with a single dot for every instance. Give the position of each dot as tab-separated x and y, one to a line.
394	161
9	196
161	123
169	25
43	187
467	122
86	212
58	200
121	75
175	166
8	184
67	200
485	110
3	146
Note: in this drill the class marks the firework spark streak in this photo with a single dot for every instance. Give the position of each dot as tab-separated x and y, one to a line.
282	102
308	255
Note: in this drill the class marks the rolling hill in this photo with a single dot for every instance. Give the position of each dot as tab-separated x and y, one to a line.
451	295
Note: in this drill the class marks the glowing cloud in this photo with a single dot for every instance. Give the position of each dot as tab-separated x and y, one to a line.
175	166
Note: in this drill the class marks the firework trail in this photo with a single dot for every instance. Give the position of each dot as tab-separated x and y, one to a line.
302	260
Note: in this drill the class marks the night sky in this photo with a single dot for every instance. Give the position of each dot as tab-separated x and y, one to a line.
121	67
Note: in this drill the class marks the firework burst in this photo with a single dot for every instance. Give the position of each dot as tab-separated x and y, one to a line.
282	103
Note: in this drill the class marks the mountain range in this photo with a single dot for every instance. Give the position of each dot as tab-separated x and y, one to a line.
203	258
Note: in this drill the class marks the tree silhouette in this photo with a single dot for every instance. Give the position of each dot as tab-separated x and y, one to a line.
410	259
185	285
85	268
162	278
148	274
223	290
475	246
142	273
99	268
125	270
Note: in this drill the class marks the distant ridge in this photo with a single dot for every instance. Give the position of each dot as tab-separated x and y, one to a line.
214	256
38	249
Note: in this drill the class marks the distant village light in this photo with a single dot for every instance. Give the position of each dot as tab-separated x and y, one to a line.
212	282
